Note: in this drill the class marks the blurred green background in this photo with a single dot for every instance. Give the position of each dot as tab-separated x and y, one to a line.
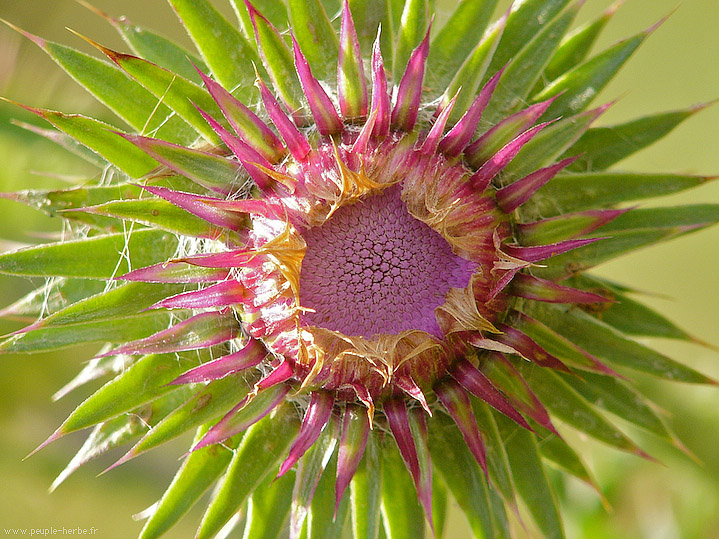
675	68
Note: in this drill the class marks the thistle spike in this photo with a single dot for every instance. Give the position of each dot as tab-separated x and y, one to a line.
409	93
474	381
530	287
529	349
365	134
196	205
246	123
296	142
566	226
457	139
278	375
351	83
514	195
502	158
323	111
245	414
410	387
381	106
537	253
317	415
431	143
174	273
249	356
200	331
355	432
456	401
490	142
221	294
248	156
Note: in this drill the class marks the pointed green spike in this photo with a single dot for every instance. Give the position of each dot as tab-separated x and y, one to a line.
258	455
553	141
570	407
366	490
100	138
618	397
558	453
693	215
526	67
569	192
368	16
440	504
316	37
57	293
228	54
456	40
124	96
464	477
601	147
213	400
575	47
576	89
142	382
154	47
206	169
525	20
275	11
198	471
154	212
99	257
268	507
607	343
181	95
412	28
470	74
402	515
117	302
570	263
530	477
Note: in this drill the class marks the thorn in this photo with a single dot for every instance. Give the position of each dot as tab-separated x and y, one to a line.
54	436
40	42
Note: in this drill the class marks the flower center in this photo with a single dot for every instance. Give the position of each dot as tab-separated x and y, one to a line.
372	268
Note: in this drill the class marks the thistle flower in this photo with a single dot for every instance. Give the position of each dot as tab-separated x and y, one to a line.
351	253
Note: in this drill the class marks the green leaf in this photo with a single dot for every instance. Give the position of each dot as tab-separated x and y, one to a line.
412	27
207	404
55	294
601	147
695	215
155	212
593	190
226	51
275	11
525	21
122	301
366	490
627	315
464	477
577	88
367	17
158	49
456	40
115	330
588	256
569	406
609	344
402	515
100	257
269	506
551	142
259	453
440	504
143	382
127	99
315	36
469	76
321	520
100	138
617	397
198	471
526	67
530	477
575	47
